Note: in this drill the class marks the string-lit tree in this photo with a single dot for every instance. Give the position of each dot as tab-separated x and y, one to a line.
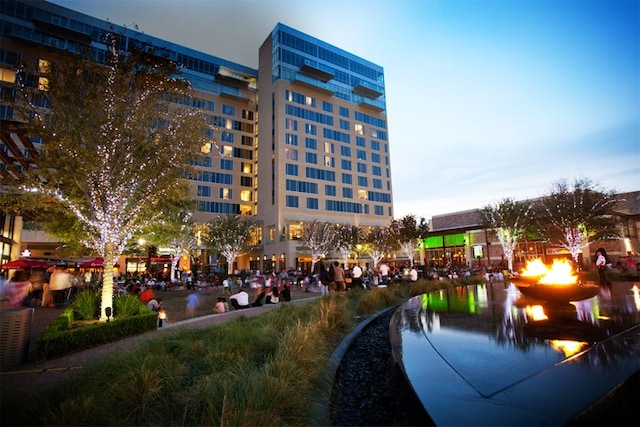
572	216
115	141
175	231
320	238
231	236
347	239
408	231
509	221
378	243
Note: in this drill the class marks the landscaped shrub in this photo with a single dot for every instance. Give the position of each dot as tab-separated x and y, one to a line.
86	305
66	335
126	306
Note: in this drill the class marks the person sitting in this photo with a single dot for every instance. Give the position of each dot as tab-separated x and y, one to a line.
221	306
240	300
286	292
275	296
272	296
153	304
259	299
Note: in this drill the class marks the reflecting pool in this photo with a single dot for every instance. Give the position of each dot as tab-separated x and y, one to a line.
487	355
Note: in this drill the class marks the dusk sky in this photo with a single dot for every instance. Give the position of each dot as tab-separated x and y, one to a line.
486	99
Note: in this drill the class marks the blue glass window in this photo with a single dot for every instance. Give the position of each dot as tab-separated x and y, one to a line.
292	201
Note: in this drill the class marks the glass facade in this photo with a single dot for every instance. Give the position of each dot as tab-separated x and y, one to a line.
225	90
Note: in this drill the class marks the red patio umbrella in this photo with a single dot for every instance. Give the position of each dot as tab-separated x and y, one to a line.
94	263
25	263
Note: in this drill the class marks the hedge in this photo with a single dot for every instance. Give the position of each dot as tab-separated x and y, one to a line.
60	338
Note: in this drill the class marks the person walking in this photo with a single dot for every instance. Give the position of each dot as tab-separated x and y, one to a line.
192	302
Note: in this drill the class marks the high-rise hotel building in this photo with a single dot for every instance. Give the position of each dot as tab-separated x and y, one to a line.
323	149
302	138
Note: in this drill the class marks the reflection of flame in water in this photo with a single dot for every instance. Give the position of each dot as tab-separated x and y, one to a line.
636	296
560	272
536	312
569	348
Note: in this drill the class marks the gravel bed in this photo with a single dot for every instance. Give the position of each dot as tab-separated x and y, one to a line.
369	389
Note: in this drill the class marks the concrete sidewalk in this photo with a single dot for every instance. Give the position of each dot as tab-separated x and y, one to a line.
35	377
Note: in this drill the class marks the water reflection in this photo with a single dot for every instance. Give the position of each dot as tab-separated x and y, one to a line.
493	342
501	309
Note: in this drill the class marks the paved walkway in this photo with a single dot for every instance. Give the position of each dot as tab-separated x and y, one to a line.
32	376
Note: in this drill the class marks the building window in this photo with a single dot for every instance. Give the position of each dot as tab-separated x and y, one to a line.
291	124
290	154
345	164
312	203
310	129
328	147
204	191
347	178
344	111
330	190
358	128
291	169
347	193
345	151
228	110
291	139
327	106
329	162
246	167
292	201
311	143
225	193
311	158
226	137
246	195
226	164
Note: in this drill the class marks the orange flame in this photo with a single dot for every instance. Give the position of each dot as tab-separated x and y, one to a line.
560	273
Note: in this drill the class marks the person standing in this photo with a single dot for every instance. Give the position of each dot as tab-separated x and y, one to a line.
384	273
601	265
338	276
323	278
356	276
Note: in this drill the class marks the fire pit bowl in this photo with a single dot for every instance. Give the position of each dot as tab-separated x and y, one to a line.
525	280
559	293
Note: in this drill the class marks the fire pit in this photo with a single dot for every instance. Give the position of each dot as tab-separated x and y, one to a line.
555	284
